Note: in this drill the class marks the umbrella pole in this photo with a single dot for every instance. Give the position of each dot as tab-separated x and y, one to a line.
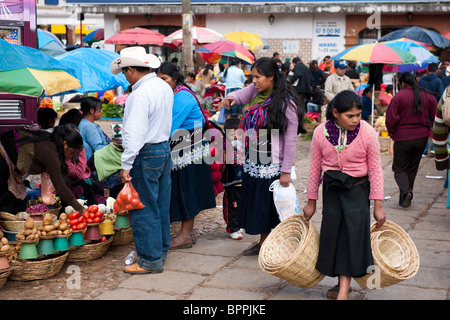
373	101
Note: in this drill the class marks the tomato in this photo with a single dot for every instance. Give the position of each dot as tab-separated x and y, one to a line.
92	208
74	215
140	206
98	214
96	220
81	226
123	196
74	227
73	222
80	219
103	239
89	220
129	206
85	214
102	219
117	207
135	203
92	215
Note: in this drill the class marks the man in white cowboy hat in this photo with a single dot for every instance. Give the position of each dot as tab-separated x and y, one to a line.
146	160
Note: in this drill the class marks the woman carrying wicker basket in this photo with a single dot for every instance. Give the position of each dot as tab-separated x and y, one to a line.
347	150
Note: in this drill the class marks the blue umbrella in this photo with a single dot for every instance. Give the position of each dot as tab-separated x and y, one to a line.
49	43
419	34
92	68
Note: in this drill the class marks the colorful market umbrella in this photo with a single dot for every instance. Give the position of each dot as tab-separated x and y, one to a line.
95	36
248	40
137	36
376	53
29	71
418	34
199	36
222	50
92	68
49	43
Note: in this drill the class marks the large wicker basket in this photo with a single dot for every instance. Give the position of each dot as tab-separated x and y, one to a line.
89	252
28	270
290	252
395	256
3	277
122	236
16	226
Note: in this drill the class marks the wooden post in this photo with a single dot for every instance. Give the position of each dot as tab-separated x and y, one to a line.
188	62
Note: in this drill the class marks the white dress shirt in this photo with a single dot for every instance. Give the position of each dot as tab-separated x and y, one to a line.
147	116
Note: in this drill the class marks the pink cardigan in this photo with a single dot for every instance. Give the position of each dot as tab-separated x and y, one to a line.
284	151
358	159
78	170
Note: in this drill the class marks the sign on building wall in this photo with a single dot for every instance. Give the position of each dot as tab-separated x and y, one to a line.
328	35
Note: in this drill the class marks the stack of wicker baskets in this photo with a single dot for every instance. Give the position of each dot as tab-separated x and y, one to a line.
89	251
28	270
395	255
290	252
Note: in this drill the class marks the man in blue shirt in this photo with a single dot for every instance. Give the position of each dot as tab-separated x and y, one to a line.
431	82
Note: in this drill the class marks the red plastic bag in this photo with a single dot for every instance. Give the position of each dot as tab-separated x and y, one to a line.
127	199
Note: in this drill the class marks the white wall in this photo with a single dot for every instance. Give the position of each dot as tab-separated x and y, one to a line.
285	25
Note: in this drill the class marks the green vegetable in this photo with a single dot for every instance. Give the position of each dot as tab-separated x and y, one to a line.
112	110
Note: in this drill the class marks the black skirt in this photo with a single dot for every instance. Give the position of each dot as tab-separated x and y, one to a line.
345	247
192	184
257	211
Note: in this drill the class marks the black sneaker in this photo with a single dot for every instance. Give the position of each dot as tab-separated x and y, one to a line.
407	200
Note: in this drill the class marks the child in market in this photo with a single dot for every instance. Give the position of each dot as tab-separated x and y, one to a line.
232	177
347	151
217	102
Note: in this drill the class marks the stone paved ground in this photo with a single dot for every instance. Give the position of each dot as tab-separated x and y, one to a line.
215	269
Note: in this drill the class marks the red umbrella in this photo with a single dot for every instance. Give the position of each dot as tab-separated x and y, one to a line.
199	36
138	36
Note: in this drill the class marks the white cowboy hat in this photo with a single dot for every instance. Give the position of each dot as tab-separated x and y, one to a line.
134	57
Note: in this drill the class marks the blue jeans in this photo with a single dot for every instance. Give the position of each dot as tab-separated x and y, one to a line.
151	225
312	107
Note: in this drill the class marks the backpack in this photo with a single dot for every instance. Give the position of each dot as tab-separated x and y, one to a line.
446	107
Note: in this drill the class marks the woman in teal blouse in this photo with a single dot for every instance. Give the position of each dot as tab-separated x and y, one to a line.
192	185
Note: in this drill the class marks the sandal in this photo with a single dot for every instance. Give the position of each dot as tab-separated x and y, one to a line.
253	251
136	269
333	292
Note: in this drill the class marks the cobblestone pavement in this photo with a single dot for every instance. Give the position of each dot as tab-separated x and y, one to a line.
215	269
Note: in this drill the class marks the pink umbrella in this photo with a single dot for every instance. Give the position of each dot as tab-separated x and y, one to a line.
137	36
447	34
199	36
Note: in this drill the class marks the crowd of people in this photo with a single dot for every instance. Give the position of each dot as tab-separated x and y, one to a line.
164	152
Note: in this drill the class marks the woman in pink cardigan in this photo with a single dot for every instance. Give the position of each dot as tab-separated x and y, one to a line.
271	126
347	151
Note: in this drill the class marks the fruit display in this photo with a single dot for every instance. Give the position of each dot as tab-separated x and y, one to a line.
127	199
77	221
51	228
29	233
93	215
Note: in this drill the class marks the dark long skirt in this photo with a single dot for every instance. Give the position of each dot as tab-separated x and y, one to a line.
192	184
345	247
257	211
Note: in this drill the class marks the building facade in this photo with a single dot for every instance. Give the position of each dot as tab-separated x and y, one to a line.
309	29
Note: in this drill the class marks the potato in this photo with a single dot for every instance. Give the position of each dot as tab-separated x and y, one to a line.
49	228
63	226
5	248
56	224
29	223
31	237
27	232
59	232
63	216
48	219
4	241
67	231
